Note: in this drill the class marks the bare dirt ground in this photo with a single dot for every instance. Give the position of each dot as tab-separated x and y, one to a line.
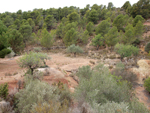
11	73
143	96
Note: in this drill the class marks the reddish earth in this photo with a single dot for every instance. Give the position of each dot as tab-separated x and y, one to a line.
143	96
58	61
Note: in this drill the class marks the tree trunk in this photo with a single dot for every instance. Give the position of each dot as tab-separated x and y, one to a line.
75	54
111	49
98	47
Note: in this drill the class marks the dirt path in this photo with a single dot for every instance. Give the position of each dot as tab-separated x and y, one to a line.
143	96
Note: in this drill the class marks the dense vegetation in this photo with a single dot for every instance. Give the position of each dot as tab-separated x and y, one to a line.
99	91
73	26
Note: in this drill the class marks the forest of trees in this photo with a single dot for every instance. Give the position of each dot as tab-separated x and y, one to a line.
73	25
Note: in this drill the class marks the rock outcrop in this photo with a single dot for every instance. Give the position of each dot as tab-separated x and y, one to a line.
143	71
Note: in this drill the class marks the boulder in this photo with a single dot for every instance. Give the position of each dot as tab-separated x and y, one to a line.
112	61
143	71
50	72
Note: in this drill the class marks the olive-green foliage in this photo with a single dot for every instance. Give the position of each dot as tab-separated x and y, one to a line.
35	92
112	107
59	31
111	36
111	15
8	21
74	49
3	90
16	41
147	84
93	16
98	41
119	22
126	5
4	52
26	31
136	107
126	50
73	17
67	27
32	60
103	28
138	30
147	47
82	22
90	28
4	36
31	23
46	39
39	21
120	71
50	22
142	7
71	37
110	6
137	19
129	35
51	107
95	88
84	72
85	37
17	22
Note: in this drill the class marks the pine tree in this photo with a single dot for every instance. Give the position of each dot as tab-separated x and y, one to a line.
16	41
138	30
111	37
47	39
93	16
98	41
103	28
71	37
85	37
129	35
90	28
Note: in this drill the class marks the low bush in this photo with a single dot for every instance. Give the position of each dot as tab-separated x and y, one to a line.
126	50
147	47
120	71
95	87
3	90
74	49
147	84
38	95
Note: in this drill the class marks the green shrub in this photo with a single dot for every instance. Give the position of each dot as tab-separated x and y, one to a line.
120	71
32	60
4	52
35	92
85	72
3	90
112	107
74	49
126	50
100	87
147	84
37	95
136	107
90	28
147	47
37	49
